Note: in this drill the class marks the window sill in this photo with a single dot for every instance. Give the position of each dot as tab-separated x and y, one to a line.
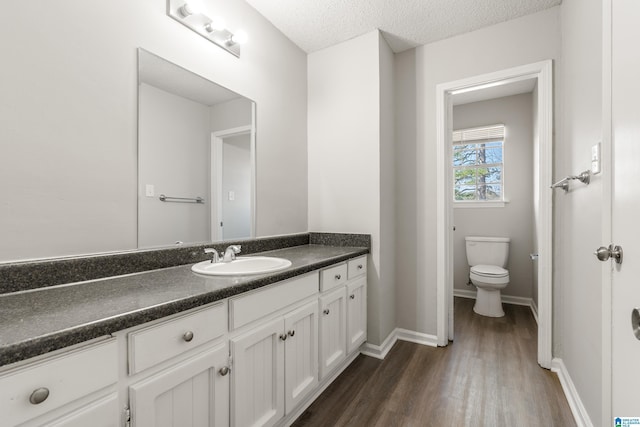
473	205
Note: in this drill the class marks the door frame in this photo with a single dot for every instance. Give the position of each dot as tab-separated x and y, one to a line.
217	139
543	73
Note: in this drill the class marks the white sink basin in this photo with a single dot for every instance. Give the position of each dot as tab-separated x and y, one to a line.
242	266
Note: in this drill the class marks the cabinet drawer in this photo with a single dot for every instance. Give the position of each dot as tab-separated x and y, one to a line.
357	267
160	342
66	377
333	276
247	308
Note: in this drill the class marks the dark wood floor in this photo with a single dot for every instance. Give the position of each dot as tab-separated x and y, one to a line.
487	377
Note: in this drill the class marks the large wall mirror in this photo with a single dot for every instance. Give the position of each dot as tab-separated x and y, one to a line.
196	157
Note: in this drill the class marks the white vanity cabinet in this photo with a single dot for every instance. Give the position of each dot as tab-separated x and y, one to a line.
192	393
192	390
356	303
66	389
333	328
255	359
343	312
275	364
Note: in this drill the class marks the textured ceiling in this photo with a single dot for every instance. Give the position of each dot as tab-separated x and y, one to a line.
316	24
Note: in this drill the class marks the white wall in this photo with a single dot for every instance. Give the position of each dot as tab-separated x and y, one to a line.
521	41
174	157
231	114
578	217
236	178
515	219
349	122
387	191
69	119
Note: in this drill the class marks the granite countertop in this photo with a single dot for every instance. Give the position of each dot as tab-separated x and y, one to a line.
38	321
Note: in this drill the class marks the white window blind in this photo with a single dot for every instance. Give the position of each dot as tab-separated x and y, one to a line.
476	134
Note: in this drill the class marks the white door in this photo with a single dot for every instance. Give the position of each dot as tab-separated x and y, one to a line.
301	354
333	328
625	285
356	313
258	376
192	393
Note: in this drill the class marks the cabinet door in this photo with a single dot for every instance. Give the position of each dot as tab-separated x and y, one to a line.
193	393
301	354
258	376
333	342
356	314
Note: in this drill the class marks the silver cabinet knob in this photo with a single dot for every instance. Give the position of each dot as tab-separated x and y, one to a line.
283	337
39	395
338	277
352	296
188	336
325	311
291	333
224	371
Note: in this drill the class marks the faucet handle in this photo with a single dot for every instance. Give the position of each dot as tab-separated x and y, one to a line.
230	252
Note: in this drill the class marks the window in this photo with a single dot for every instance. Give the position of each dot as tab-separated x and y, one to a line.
478	164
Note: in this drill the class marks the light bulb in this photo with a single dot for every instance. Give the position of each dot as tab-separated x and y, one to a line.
191	8
239	37
217	24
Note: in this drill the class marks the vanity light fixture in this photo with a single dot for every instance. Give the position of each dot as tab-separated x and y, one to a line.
217	24
239	37
192	14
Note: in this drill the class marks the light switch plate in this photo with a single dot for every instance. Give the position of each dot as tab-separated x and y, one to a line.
149	190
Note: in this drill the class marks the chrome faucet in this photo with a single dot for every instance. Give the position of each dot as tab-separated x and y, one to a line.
230	253
216	255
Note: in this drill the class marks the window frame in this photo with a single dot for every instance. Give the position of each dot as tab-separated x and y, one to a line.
474	137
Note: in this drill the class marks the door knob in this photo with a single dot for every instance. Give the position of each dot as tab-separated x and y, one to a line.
635	322
604	253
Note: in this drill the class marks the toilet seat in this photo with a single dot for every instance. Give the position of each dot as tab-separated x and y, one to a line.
489	271
489	274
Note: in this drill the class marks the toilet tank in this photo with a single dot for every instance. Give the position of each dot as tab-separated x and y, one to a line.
487	250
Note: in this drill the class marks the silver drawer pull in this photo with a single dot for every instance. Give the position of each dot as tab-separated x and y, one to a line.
283	337
224	370
338	277
39	395
325	311
360	266
352	296
188	336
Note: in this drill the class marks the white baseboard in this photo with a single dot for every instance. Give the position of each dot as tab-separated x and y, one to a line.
577	408
380	351
507	299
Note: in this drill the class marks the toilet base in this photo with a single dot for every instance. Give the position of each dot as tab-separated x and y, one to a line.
488	303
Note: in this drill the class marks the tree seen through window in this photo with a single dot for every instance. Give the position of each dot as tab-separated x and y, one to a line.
477	169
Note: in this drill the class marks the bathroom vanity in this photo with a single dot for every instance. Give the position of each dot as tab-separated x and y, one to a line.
170	347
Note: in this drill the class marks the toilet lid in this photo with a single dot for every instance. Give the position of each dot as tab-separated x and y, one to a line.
489	270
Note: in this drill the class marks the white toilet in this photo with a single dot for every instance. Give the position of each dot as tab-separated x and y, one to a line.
487	257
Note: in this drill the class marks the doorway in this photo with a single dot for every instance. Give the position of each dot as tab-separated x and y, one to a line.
541	74
233	184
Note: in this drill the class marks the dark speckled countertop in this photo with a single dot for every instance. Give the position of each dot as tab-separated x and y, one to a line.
37	321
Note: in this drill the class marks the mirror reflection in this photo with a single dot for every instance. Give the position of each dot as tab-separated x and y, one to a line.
196	157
